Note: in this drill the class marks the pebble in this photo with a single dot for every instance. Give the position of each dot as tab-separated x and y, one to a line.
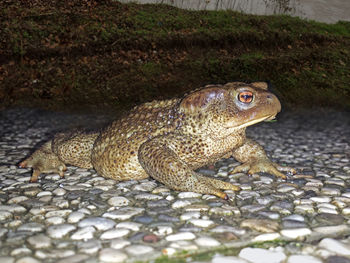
129	225
39	241
27	260
115	233
227	259
260	255
335	246
31	227
59	231
180	236
124	213
84	233
137	250
295	233
201	222
207	242
75	217
303	259
98	222
119	243
118	201
112	255
261	225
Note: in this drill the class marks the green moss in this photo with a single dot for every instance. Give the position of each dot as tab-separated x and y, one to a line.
118	55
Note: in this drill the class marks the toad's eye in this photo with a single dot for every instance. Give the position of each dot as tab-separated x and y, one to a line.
245	97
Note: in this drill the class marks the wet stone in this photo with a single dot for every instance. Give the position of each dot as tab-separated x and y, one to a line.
124	213
143	219
137	250
39	241
261	225
31	227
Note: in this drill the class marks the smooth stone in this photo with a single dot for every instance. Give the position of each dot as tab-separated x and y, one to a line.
58	213
183	195
227	259
147	196
335	246
295	233
59	192
55	220
124	213
303	259
181	204
39	241
27	260
119	243
21	251
112	255
13	208
118	201
294	217
207	242
115	233
163	230
181	236
332	230
17	199
259	255
75	217
150	238
90	246
5	215
74	259
129	225
337	259
98	222
84	233
201	222
136	250
59	231
293	224
261	225
143	219
267	237
5	259
190	215
31	227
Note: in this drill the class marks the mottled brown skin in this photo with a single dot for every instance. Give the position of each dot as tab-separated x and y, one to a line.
169	139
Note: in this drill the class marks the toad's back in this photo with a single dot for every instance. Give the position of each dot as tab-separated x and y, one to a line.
115	152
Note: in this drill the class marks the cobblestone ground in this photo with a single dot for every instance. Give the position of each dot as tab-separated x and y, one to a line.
86	218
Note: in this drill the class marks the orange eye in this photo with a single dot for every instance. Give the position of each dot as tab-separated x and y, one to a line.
245	97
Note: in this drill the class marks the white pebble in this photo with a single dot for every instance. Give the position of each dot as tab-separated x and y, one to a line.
59	231
129	225
84	233
303	259
112	255
182	195
295	233
119	243
201	222
136	250
335	246
190	215
27	260
118	201
98	222
75	217
181	236
266	237
259	255
115	233
207	242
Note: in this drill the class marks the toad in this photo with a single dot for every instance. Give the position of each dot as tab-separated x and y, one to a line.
169	139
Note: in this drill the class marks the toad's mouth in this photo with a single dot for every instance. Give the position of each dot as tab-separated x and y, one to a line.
265	118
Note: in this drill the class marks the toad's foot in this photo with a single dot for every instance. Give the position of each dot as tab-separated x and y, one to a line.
264	165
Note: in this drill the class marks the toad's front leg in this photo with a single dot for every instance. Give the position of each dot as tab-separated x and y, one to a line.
254	160
162	164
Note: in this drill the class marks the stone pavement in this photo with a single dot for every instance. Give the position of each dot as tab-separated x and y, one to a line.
86	218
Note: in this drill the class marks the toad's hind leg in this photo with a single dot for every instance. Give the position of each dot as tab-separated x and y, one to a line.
162	164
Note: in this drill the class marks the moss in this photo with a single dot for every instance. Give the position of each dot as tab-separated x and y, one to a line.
113	56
